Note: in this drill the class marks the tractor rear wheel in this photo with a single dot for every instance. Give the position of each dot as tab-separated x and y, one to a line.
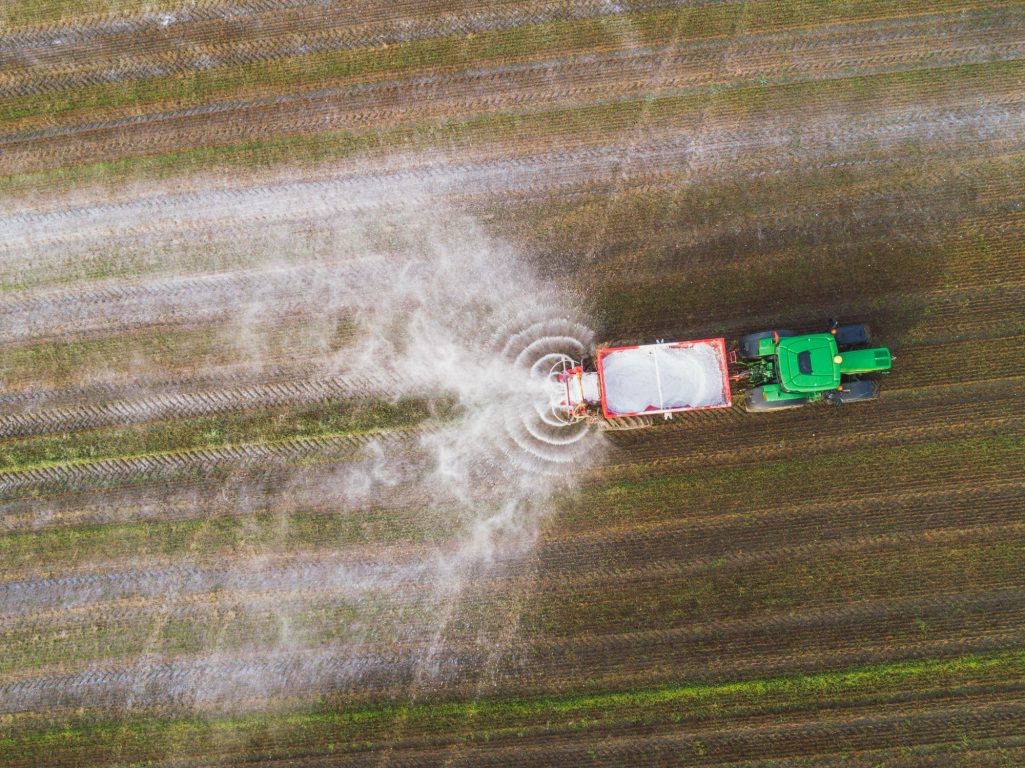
749	343
755	402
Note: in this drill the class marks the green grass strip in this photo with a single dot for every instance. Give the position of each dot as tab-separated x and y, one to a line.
337	728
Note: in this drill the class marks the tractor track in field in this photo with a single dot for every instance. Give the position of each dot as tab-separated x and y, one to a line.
283	489
664	443
899	639
196	299
879	614
117	595
585	78
196	380
184	405
995	221
641	468
261	575
656	741
323	33
174	464
993	118
175	682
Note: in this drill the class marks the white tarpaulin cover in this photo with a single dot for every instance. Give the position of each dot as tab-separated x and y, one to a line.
663	377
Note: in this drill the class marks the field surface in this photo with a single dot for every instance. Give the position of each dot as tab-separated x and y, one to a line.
271	492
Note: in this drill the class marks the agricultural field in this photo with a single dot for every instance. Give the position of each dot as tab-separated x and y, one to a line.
270	491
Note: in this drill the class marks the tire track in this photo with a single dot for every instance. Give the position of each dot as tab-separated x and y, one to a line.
183	405
170	465
199	299
868	623
344	576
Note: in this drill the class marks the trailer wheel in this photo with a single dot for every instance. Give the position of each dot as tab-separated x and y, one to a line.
749	343
623	423
755	402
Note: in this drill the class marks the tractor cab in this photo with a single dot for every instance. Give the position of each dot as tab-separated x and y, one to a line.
809	363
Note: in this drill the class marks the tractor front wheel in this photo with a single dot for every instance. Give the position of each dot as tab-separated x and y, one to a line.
756	402
858	391
852	335
749	343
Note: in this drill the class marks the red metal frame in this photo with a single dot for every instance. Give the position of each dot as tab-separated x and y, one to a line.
723	362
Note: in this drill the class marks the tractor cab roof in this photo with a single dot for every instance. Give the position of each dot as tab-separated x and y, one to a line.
808	363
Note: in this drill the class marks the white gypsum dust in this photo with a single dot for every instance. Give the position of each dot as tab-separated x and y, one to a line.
442	312
446	313
656	377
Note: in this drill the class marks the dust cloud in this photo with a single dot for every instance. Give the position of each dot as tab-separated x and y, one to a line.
435	309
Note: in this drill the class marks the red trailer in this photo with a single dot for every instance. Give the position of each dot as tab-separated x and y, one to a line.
645	380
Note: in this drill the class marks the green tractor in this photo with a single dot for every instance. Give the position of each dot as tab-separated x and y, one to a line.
786	370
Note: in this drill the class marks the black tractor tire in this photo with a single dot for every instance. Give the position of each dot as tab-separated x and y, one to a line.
749	343
858	391
755	402
853	335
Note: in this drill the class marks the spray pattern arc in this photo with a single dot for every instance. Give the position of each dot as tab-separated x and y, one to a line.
540	436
